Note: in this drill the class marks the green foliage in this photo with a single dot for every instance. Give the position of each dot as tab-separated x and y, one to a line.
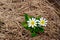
33	34
34	30
26	17
24	24
41	29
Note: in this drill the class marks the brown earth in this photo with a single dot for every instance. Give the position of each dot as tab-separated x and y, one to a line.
12	11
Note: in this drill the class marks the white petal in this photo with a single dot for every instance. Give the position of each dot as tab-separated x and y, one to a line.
37	20
35	25
44	25
32	26
46	21
41	18
34	19
29	25
27	21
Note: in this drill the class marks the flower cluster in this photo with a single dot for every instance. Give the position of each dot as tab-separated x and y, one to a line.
35	25
33	22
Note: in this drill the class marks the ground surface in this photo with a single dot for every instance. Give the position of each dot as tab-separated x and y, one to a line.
12	11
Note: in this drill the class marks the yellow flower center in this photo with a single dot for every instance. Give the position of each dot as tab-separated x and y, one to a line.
32	22
42	22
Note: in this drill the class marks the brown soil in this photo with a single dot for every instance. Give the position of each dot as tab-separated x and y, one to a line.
12	11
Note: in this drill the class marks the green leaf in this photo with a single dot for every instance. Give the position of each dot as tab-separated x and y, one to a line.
36	29
31	29
26	17
33	34
24	24
27	28
41	29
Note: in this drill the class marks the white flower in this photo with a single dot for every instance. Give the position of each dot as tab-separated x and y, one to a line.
32	22
42	21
